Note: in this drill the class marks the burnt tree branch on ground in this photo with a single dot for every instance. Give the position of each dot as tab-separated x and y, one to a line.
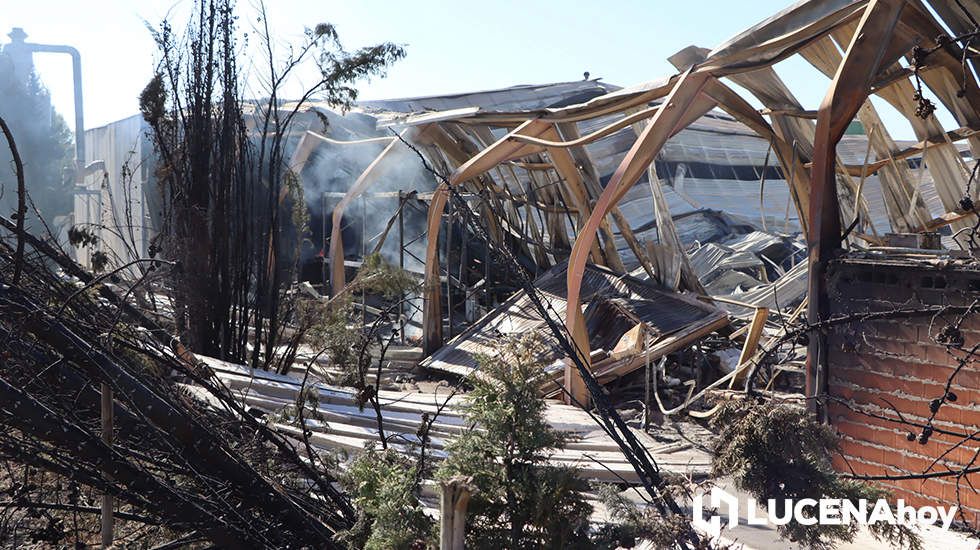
186	465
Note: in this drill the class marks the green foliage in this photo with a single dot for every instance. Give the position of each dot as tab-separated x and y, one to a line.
522	502
330	328
777	451
99	261
82	236
333	328
153	100
299	211
339	68
389	515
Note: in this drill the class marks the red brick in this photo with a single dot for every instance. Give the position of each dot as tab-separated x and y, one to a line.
898	331
924	335
914	464
898	360
893	435
868	432
905	403
967	418
860	449
939	355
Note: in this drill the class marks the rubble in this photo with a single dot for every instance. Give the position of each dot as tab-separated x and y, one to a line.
624	312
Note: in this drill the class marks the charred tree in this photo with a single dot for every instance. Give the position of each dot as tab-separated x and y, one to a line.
223	177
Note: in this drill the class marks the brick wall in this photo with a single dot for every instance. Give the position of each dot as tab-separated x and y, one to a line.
876	365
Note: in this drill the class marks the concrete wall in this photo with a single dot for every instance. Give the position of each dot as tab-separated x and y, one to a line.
878	364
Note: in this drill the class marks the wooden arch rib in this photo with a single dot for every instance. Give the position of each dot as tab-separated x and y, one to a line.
873	45
370	175
503	150
531	137
596	135
684	104
310	140
307	143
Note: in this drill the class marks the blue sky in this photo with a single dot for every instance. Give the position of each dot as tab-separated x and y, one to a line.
452	46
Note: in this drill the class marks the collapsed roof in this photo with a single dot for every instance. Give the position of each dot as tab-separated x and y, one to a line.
552	170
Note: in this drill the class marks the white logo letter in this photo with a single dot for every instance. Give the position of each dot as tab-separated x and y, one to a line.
947	514
798	511
829	512
713	525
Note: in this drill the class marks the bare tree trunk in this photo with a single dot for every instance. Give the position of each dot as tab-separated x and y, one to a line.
453	502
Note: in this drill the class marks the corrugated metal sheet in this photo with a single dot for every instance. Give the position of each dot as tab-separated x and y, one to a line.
515	98
785	292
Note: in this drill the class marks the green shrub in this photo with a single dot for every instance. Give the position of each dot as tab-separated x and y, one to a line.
777	451
522	501
382	484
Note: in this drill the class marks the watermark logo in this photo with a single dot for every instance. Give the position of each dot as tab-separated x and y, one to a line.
808	511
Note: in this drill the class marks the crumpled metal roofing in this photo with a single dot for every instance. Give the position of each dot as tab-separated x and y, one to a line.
524	100
662	311
731	282
784	292
712	259
759	242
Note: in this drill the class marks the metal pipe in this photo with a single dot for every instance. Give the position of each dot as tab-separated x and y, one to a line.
76	71
17	36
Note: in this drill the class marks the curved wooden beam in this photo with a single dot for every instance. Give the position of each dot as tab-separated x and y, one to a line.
310	140
871	48
594	136
681	105
896	179
431	291
368	176
504	149
777	38
308	143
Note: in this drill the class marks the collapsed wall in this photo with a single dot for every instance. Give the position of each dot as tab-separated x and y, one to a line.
884	370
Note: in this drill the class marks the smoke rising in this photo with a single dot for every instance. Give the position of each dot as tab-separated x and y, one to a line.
330	173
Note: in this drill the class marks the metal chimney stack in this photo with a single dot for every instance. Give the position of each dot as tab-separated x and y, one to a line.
21	53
